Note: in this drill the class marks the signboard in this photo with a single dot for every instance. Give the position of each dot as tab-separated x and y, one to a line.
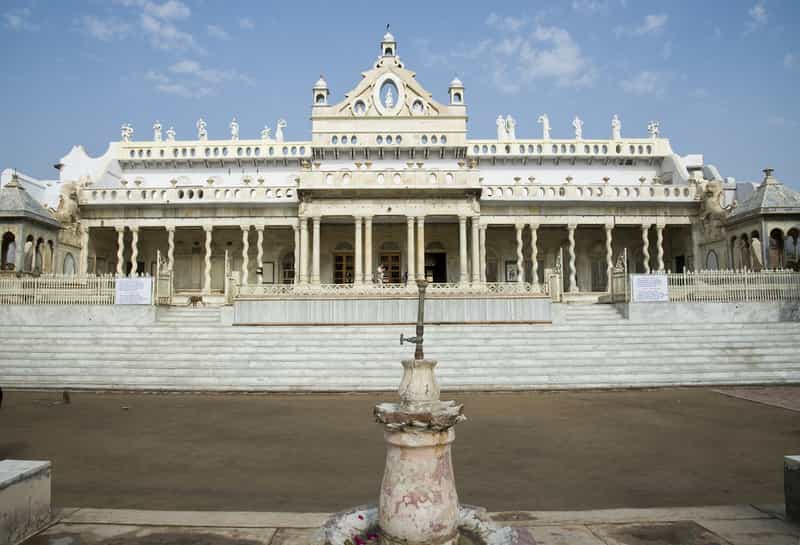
134	291
649	288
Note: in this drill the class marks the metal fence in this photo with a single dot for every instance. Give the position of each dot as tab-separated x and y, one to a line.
732	286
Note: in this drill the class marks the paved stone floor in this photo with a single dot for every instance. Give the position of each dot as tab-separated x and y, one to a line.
719	525
322	453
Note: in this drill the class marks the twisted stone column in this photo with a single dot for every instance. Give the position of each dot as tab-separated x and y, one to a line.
534	253
410	254
476	251
120	251
207	273
171	247
245	251
660	248
463	276
609	257
646	248
520	257
134	250
260	255
573	282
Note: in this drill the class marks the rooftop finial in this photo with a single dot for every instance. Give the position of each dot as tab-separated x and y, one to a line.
387	27
768	172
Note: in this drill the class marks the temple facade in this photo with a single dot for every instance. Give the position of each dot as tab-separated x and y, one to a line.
390	187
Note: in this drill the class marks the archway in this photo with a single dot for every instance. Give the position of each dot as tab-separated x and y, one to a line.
69	264
9	251
712	261
27	254
792	249
775	254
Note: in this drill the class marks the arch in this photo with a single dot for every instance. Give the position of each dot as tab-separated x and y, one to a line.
712	261
47	257
38	255
792	248
776	250
27	254
9	251
69	264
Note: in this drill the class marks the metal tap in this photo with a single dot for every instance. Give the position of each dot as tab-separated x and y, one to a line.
418	338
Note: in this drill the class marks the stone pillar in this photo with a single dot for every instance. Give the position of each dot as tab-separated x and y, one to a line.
171	247
207	272
463	276
421	247
573	282
303	253
358	257
245	251
660	248
315	253
296	230
120	251
84	265
476	251
520	257
134	249
646	248
534	253
609	256
368	250
410	254
483	252
260	254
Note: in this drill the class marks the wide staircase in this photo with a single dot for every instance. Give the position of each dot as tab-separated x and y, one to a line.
591	346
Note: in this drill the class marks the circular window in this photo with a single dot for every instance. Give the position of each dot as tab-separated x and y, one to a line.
443	139
493	148
379	140
258	152
344	140
398	139
434	139
475	149
353	140
359	108
389	139
424	139
334	140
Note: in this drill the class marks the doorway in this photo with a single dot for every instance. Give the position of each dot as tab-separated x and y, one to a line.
343	268
391	262
436	267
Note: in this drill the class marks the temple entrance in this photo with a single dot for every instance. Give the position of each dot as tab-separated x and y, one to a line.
436	267
391	261
343	268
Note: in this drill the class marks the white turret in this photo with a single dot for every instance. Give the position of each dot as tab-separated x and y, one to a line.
321	92
456	92
388	44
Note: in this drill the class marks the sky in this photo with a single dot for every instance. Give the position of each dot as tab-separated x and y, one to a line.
721	76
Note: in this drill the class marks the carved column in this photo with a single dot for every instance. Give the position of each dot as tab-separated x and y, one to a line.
358	251
84	266
171	247
245	251
120	251
303	250
421	247
463	276
609	257
367	249
573	282
134	249
660	248
476	251
207	273
296	231
520	257
646	248
534	253
483	252
315	254
260	254
410	254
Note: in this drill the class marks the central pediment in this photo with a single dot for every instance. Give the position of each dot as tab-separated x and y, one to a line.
388	104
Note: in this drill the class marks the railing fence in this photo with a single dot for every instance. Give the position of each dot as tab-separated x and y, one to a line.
731	286
57	289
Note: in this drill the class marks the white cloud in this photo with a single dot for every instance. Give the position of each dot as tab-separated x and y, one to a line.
590	7
651	24
19	20
757	17
171	9
164	35
218	32
790	60
646	83
506	23
245	23
194	70
103	28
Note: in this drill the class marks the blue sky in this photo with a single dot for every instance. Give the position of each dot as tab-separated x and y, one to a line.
720	75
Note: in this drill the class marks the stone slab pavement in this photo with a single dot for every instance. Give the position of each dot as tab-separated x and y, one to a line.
710	525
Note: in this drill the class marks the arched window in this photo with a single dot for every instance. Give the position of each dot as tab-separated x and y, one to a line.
712	263
28	253
9	251
69	264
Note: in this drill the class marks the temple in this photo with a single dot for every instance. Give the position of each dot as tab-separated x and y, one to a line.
388	188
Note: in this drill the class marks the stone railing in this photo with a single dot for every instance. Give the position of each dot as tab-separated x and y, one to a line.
390	179
333	291
732	286
189	195
211	150
586	192
58	290
622	149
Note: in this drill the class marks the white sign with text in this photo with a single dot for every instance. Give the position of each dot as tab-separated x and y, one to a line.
134	291
649	288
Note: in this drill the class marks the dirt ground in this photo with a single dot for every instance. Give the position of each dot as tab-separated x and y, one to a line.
532	450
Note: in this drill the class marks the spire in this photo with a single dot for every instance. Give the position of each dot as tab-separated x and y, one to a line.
388	44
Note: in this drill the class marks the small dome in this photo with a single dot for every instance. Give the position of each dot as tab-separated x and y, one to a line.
388	37
456	83
321	83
